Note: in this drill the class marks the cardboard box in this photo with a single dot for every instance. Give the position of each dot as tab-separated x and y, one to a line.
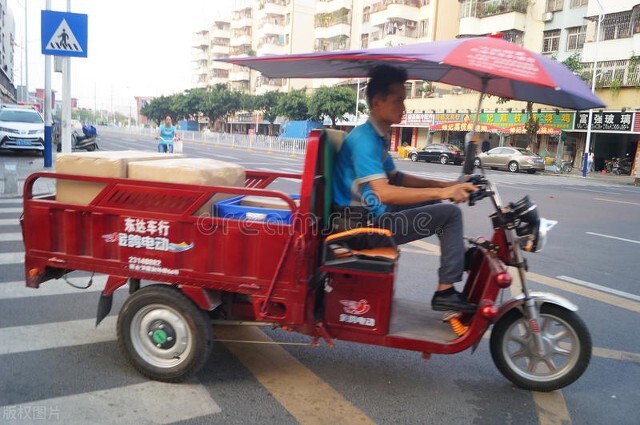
199	171
99	164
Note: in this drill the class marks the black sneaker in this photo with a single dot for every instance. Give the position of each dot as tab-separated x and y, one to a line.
452	301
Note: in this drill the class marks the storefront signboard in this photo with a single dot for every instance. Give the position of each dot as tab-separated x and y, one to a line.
607	121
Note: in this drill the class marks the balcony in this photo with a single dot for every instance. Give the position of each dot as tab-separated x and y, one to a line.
244	40
272	45
244	50
241	23
329	6
264	84
326	20
221	33
394	32
201	41
239	75
340	42
212	81
271	24
272	6
333	32
393	9
217	49
501	16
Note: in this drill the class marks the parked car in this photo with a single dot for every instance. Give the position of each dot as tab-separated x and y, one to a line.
21	129
444	154
512	159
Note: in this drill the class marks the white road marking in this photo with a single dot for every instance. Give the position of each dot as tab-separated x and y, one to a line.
612	237
216	156
146	403
11	201
7	258
10	237
619	202
46	336
9	221
597	191
600	288
10	210
12	290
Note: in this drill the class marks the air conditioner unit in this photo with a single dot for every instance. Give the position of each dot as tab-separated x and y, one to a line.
547	16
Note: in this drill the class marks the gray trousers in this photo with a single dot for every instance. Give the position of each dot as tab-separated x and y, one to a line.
413	222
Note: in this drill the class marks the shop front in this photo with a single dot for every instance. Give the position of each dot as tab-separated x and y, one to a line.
614	135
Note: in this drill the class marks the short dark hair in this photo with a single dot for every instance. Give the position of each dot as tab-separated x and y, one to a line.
381	79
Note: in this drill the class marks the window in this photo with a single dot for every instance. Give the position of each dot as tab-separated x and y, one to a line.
578	3
513	36
366	12
468	8
554	5
551	41
575	37
616	25
424	28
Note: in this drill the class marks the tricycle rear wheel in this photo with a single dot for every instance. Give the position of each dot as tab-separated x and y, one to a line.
164	334
567	343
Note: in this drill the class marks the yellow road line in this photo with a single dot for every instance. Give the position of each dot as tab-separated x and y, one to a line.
586	292
552	409
305	395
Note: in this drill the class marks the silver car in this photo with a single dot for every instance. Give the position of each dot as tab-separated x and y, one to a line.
512	159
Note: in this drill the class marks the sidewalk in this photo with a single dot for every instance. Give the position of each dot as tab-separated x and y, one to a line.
576	174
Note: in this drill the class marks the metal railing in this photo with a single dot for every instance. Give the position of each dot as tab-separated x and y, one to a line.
256	142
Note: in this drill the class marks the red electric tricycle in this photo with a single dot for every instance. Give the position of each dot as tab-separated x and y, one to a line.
188	273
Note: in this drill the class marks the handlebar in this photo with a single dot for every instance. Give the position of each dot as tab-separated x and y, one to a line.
483	189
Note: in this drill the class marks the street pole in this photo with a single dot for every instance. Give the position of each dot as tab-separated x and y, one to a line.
587	143
26	55
66	99
48	151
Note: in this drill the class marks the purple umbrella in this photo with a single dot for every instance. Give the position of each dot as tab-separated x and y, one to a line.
486	64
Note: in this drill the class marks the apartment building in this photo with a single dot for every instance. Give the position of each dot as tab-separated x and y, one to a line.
7	44
255	28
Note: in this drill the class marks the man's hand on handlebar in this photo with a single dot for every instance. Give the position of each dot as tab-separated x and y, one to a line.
459	192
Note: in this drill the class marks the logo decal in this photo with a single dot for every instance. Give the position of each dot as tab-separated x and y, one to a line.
356	307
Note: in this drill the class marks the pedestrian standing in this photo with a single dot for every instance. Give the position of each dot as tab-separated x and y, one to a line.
590	162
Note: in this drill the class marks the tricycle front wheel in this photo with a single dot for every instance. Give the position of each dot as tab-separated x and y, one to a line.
163	333
567	346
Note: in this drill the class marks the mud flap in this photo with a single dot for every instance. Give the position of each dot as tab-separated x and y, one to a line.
104	307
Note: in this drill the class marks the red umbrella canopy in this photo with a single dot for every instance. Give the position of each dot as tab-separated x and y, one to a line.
489	65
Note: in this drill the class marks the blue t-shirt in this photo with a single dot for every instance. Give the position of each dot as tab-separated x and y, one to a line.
167	134
362	158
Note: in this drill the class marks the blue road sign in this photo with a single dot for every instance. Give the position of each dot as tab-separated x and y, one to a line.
64	34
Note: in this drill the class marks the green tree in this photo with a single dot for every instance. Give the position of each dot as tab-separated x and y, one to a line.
267	103
293	105
189	103
219	102
333	102
159	108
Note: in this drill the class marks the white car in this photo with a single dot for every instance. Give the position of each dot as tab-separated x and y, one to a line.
21	129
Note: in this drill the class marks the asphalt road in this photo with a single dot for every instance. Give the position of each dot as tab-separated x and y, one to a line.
56	367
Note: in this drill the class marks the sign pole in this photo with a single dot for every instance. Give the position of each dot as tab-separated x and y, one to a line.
48	151
66	99
587	143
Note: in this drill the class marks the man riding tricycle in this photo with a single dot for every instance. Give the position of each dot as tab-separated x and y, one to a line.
326	269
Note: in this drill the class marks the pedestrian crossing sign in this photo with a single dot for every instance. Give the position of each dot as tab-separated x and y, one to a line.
64	34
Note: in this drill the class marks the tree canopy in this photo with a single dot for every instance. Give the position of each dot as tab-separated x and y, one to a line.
333	102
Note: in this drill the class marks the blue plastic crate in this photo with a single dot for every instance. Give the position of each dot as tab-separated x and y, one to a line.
231	208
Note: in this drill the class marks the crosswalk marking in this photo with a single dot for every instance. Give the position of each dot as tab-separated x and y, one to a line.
10	237
6	210
147	403
17	201
56	335
9	222
12	290
7	258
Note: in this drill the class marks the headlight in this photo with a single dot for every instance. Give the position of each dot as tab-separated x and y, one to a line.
9	130
530	228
